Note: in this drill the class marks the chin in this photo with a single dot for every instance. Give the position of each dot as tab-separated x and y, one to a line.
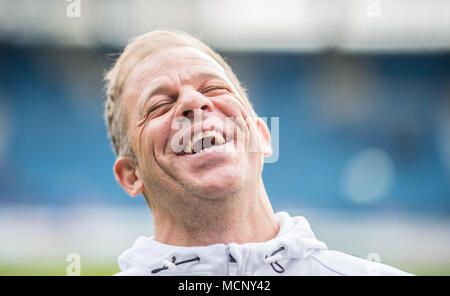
217	186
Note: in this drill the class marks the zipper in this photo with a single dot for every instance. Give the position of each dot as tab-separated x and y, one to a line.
232	267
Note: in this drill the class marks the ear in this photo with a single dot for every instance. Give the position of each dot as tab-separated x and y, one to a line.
263	137
127	176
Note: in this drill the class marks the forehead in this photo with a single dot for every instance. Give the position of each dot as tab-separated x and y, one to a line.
182	62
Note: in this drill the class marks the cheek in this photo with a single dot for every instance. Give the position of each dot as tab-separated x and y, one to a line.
234	108
229	105
155	135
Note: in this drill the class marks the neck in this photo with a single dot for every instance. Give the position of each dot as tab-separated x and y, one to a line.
246	216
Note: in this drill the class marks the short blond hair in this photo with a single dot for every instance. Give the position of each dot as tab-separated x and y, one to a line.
137	49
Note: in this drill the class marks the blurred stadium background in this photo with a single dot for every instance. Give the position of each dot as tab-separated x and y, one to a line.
361	89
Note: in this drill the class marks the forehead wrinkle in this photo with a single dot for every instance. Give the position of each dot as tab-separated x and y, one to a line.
193	62
142	73
170	63
203	75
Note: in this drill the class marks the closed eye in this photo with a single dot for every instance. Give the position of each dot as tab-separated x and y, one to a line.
215	90
158	108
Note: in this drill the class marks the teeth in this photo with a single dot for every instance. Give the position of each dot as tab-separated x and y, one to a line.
218	137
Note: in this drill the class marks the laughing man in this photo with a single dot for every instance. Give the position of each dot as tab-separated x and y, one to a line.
187	138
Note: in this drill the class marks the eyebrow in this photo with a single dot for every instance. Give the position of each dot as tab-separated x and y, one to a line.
149	93
159	89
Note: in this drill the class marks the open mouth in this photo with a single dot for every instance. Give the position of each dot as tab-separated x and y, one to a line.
203	141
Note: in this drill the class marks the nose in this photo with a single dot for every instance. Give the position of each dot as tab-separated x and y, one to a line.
192	103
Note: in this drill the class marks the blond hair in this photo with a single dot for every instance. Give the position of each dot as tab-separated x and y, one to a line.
137	49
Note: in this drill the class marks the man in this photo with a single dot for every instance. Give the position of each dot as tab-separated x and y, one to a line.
188	139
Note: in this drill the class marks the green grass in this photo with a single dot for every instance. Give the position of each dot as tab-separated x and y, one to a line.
425	269
57	270
95	269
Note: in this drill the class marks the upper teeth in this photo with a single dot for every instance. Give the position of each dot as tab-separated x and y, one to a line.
218	137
